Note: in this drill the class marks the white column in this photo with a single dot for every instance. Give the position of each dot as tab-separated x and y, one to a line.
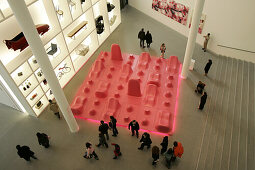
192	36
25	21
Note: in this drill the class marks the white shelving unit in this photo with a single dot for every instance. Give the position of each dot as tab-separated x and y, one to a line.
70	41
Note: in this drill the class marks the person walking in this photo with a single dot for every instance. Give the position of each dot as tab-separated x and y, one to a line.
113	126
200	87
43	139
54	108
178	150
90	152
25	152
202	101
141	36
207	67
164	144
163	50
116	151
207	38
146	141
134	127
103	128
102	140
148	38
155	155
169	157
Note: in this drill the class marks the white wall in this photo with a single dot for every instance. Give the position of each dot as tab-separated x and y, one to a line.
230	22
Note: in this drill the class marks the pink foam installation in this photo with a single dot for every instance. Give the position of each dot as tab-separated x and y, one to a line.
129	87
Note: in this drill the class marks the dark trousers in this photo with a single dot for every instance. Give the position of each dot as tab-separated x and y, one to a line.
46	144
133	132
115	131
144	144
148	45
57	114
141	43
28	158
163	150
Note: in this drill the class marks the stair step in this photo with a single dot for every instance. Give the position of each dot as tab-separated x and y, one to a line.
206	134
229	118
243	132
216	117
222	115
233	162
251	120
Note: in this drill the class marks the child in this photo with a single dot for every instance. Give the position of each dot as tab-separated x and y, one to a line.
90	152
116	151
155	155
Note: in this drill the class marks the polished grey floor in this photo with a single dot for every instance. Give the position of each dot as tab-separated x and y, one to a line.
206	135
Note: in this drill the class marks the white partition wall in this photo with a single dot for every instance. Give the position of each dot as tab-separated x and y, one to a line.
70	41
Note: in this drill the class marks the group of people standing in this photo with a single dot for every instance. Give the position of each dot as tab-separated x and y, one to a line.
170	154
145	37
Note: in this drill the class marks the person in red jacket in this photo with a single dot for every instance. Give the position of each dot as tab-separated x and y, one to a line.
178	150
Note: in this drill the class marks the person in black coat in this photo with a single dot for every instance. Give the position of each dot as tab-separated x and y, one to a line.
141	36
207	67
155	155
146	141
43	139
102	140
148	38
116	151
164	144
134	127
113	126
25	152
202	101
200	87
103	128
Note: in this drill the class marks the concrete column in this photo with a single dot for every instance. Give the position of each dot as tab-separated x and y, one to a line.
192	36
25	21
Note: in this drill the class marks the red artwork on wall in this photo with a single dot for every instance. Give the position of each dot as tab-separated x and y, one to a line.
172	9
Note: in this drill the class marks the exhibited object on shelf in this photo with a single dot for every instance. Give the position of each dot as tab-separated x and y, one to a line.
113	19
99	24
62	71
39	73
71	4
20	42
52	49
20	74
60	13
82	1
34	61
33	96
45	82
77	29
82	50
26	85
38	105
110	7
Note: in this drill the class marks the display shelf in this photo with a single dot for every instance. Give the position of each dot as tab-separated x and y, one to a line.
49	95
85	5
21	74
39	75
39	110
60	54
92	42
33	63
1	15
75	8
79	37
45	86
35	95
94	1
64	71
115	13
28	85
63	12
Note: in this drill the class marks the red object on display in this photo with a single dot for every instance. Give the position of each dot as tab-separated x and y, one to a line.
131	87
20	42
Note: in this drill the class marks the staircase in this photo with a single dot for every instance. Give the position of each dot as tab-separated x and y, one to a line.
229	133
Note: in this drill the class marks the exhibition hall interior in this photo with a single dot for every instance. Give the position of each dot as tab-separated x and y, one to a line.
182	71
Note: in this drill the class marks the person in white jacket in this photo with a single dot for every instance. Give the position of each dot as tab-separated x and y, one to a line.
90	152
